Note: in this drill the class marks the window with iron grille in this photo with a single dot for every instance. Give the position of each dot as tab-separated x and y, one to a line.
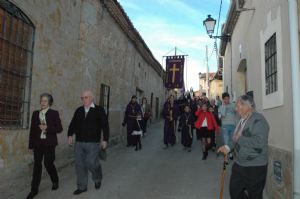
104	98
271	65
16	50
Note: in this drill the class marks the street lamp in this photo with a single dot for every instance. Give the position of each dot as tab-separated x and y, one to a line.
210	24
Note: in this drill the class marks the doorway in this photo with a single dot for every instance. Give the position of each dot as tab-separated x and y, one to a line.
157	108
242	80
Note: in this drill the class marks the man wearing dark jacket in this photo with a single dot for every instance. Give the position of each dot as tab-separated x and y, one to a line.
87	123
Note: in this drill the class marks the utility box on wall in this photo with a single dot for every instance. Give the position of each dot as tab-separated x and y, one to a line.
277	172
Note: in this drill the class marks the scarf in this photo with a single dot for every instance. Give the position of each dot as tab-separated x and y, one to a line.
42	117
239	128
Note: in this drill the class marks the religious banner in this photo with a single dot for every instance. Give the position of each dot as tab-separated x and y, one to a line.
174	72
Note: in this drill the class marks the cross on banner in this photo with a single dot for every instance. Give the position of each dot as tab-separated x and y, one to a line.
174	72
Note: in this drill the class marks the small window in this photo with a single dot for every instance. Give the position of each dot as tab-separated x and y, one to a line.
16	52
104	98
271	65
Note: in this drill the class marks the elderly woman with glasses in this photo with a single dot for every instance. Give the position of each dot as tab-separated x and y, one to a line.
250	150
45	124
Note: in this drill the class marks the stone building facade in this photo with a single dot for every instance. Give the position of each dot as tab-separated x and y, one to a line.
216	88
64	47
215	85
257	60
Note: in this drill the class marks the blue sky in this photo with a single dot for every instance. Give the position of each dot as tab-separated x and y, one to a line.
164	24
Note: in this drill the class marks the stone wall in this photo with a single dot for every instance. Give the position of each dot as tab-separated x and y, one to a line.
77	45
280	182
215	88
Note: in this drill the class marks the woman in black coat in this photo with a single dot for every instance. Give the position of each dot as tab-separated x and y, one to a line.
45	124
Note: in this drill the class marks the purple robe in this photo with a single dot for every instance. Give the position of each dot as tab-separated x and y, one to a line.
131	113
170	122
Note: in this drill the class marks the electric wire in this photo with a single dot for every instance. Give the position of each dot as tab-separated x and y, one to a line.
215	48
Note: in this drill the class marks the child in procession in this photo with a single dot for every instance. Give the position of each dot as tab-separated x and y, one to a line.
186	123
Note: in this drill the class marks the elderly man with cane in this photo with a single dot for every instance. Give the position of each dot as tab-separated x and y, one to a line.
87	123
250	150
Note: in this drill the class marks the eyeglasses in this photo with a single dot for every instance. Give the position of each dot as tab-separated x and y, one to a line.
85	97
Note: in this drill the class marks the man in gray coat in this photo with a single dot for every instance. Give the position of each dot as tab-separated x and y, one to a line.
250	149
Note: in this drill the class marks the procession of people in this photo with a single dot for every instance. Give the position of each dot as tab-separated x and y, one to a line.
244	135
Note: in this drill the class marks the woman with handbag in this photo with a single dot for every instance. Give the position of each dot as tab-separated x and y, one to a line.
45	124
206	125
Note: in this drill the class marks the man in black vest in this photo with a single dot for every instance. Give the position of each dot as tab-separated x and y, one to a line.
87	123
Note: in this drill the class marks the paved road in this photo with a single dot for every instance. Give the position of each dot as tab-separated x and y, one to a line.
152	173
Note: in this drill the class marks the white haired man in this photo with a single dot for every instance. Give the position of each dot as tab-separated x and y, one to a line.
87	124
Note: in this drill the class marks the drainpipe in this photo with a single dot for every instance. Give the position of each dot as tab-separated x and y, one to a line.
294	42
231	72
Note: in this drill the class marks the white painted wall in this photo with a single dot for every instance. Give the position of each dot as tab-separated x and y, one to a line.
252	30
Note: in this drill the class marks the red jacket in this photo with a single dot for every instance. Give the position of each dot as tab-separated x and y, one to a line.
211	122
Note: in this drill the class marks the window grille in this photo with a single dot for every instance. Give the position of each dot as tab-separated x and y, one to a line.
271	65
16	52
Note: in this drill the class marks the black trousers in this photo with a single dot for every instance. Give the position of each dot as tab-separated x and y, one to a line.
249	179
48	154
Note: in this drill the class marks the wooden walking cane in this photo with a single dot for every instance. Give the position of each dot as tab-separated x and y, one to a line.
225	163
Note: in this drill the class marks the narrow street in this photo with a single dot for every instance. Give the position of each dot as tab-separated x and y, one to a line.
68	66
152	173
